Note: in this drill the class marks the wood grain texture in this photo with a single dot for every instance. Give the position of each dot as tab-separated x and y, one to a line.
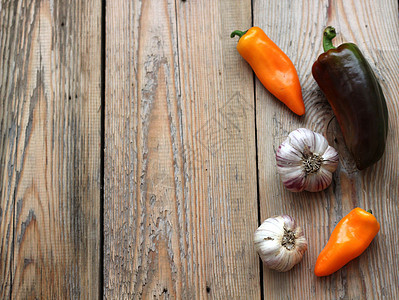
296	26
181	178
180	162
218	111
50	149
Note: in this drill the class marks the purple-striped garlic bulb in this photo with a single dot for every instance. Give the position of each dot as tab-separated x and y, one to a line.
280	243
306	162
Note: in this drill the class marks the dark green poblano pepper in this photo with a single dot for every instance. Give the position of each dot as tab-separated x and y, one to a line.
356	97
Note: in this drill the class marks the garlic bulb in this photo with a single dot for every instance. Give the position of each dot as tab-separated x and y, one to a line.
280	243
305	161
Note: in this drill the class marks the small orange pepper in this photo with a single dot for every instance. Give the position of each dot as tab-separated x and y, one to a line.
352	235
272	67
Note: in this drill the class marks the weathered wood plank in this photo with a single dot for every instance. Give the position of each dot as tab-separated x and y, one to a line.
142	255
218	111
50	149
180	168
296	26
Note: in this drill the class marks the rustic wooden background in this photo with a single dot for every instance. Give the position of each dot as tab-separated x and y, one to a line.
137	150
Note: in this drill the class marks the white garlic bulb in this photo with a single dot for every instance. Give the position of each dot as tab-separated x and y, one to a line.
280	243
305	161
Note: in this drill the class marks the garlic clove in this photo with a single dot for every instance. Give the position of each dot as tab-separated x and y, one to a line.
283	261
292	156
331	159
318	182
289	222
293	178
269	247
320	143
280	243
302	138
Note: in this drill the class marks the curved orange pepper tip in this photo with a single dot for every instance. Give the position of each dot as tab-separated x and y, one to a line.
350	238
272	66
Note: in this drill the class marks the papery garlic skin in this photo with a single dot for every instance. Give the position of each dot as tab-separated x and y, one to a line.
305	161
280	243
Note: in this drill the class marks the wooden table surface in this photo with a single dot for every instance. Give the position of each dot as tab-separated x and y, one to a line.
137	150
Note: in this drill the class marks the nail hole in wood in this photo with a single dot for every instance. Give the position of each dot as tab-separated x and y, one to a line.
62	24
208	289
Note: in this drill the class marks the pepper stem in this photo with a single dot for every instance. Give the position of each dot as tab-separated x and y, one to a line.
238	32
328	34
370	211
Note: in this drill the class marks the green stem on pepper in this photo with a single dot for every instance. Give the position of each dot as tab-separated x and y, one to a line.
238	32
328	34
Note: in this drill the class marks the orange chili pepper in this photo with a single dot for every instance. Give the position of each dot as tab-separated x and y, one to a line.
272	66
352	235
